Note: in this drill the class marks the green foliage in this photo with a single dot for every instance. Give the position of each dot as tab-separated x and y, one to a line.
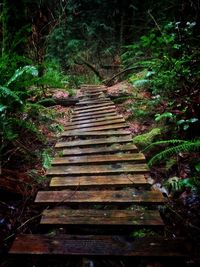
177	147
53	76
147	138
18	115
164	115
142	233
172	53
46	159
32	70
175	184
142	107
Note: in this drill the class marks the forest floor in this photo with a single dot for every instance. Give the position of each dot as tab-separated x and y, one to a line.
19	184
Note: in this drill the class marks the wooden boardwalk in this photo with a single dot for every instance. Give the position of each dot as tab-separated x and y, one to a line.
98	192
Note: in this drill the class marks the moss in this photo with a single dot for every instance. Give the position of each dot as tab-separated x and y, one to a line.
147	138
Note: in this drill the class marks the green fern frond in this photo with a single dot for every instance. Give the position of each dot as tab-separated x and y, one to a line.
19	72
164	142
186	146
6	93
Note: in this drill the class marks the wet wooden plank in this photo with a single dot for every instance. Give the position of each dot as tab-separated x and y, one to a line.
100	150
93	90
98	141
91	87
62	216
78	112
93	94
95	133
100	245
136	157
93	124
98	169
100	196
100	100
93	106
106	118
100	180
94	116
104	127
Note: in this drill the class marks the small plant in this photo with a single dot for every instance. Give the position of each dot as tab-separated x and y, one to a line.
175	184
46	159
177	147
142	233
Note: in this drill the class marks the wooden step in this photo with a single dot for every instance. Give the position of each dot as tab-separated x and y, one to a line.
92	106
97	150
101	196
100	100
93	90
109	140
93	116
136	157
78	112
99	97
100	245
95	133
100	180
93	124
90	87
98	169
63	216
106	118
104	127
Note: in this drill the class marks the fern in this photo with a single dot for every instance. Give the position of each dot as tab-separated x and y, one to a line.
19	72
8	95
164	142
182	146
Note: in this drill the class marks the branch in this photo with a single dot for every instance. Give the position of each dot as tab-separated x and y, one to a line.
109	81
89	65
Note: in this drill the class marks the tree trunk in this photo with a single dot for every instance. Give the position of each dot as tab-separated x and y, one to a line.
14	27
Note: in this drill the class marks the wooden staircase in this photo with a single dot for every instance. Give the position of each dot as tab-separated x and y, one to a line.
99	192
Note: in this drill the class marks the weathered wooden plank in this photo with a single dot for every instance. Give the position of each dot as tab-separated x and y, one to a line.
95	133
100	196
93	116
100	245
93	106
93	124
93	87
136	157
78	112
93	95
100	100
104	127
98	169
100	180
100	150
92	90
105	118
62	216
98	141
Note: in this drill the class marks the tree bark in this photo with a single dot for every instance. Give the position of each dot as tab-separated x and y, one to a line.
14	27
